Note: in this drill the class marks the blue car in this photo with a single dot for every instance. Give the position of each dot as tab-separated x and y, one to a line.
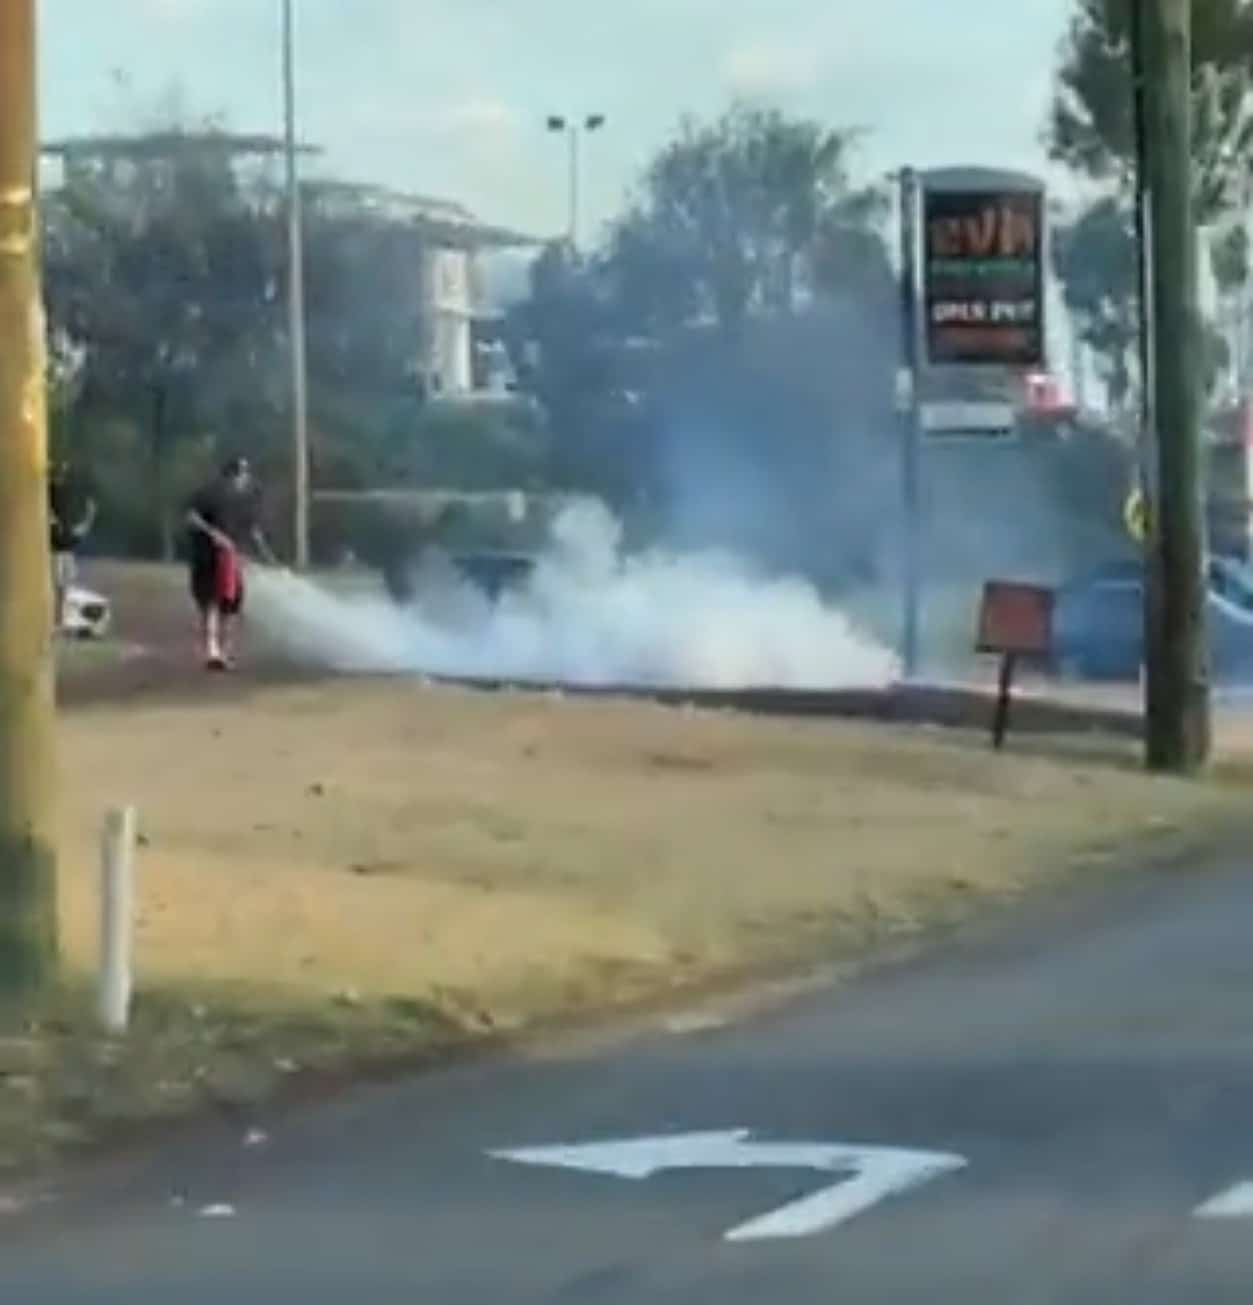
1098	623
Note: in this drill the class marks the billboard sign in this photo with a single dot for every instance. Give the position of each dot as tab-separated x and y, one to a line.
983	269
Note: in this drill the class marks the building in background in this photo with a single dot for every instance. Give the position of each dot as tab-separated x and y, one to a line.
458	351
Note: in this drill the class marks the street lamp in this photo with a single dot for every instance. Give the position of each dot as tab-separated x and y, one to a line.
573	130
296	302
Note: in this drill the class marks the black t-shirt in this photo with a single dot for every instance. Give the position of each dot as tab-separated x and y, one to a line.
68	504
224	508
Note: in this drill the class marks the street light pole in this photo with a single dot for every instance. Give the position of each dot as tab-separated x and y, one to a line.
574	130
296	302
28	919
574	186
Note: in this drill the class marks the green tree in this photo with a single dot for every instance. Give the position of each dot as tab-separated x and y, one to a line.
1094	257
1095	260
162	281
573	335
363	301
167	268
1229	261
1229	258
719	369
732	217
1091	127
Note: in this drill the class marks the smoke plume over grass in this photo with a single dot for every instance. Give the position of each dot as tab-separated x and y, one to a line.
587	615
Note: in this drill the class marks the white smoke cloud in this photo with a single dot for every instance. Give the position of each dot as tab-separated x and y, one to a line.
588	616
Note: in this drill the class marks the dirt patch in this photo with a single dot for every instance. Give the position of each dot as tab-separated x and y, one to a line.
152	652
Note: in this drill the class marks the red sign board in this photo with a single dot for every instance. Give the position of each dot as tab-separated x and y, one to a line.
1015	619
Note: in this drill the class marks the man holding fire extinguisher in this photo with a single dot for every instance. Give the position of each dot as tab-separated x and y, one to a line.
221	522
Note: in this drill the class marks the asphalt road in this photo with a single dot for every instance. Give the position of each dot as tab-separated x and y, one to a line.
1095	1072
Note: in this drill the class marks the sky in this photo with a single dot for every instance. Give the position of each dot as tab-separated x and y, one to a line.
449	97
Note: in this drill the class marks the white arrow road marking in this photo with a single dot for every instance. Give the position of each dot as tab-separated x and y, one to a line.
1235	1203
872	1173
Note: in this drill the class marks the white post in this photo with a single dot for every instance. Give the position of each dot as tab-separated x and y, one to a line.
117	910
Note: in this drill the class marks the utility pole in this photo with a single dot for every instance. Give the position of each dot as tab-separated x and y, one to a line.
296	302
28	916
1177	705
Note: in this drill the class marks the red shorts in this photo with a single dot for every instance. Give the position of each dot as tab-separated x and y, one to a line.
219	586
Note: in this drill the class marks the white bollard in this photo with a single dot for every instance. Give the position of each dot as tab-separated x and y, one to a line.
117	913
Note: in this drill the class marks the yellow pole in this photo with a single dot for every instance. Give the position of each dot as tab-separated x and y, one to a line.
27	839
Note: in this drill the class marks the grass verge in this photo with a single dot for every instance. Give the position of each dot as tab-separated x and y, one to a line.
337	875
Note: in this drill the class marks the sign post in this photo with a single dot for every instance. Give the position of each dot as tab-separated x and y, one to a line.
973	300
1015	620
980	307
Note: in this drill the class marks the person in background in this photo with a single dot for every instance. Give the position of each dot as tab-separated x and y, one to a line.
71	516
221	523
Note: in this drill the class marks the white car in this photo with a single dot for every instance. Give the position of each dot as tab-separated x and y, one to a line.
87	614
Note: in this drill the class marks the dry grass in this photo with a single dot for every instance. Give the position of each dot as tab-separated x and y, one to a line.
357	870
352	870
527	853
